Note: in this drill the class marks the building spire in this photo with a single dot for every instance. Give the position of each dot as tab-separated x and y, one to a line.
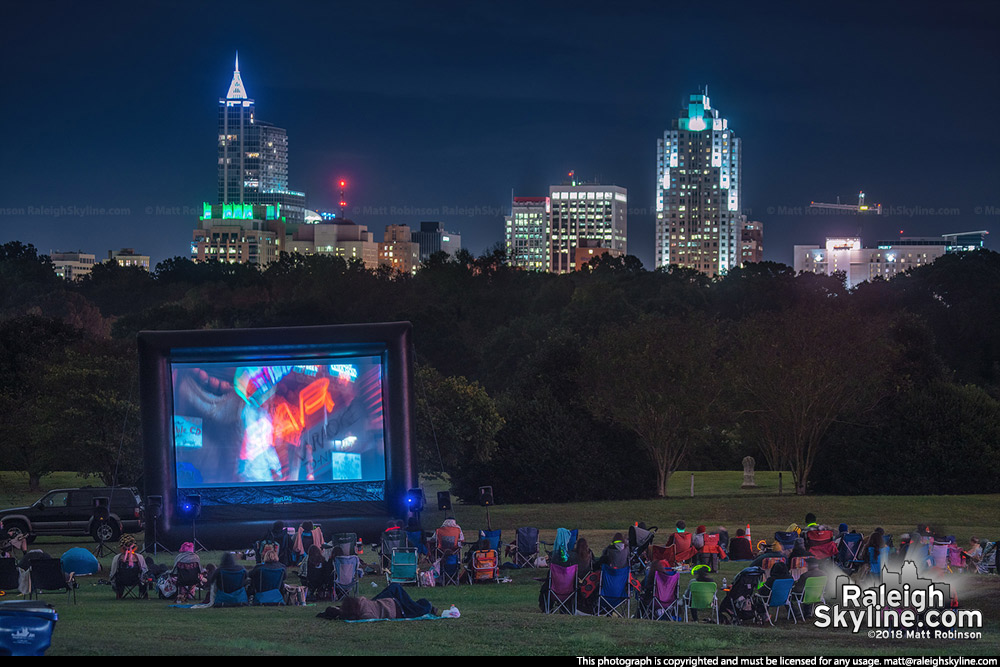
236	90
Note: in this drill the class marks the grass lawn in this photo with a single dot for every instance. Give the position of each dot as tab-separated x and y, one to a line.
504	619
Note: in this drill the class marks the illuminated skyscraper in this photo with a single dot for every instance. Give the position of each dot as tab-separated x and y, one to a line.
595	216
527	233
253	156
698	200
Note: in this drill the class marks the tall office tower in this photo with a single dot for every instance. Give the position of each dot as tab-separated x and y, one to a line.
253	156
698	223
596	214
527	233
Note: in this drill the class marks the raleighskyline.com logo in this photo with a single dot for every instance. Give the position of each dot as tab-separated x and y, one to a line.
903	606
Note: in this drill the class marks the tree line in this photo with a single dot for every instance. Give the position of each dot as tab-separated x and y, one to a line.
593	385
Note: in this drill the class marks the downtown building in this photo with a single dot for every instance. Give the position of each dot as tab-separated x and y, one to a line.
698	192
253	156
338	237
527	233
239	233
72	265
398	250
432	237
562	232
889	258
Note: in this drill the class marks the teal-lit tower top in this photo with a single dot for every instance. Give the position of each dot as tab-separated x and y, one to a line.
698	199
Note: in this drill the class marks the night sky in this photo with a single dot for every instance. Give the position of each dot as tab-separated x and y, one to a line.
440	107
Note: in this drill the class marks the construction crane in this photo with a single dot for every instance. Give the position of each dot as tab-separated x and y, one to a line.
860	207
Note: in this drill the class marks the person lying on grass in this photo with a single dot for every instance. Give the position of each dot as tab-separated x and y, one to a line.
392	603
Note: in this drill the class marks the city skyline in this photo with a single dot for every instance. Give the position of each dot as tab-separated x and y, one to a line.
427	119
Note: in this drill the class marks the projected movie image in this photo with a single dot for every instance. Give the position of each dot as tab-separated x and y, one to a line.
271	424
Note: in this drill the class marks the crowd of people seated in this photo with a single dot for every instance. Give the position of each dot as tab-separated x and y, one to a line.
331	570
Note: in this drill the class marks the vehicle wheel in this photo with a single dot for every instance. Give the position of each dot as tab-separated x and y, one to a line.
106	532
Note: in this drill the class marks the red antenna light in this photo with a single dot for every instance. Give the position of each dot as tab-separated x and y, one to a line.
343	183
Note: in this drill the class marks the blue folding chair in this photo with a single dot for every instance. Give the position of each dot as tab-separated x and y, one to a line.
348	573
268	586
614	592
780	596
493	537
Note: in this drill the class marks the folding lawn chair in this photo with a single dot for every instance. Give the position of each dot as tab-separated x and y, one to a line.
267	587
392	538
47	575
447	541
683	549
786	539
849	552
348	543
318	580
493	537
780	596
403	567
128	582
820	543
189	579
348	573
526	547
562	589
876	560
769	563
9	575
450	568
231	588
811	593
701	596
797	567
614	592
485	565
663	601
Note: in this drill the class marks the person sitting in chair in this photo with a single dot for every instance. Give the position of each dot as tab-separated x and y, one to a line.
186	559
703	574
267	580
125	558
615	554
740	547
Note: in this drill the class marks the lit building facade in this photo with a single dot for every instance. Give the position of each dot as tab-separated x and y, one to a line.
239	233
596	214
858	264
72	265
433	238
751	242
589	250
129	257
698	191
341	238
527	233
398	249
253	156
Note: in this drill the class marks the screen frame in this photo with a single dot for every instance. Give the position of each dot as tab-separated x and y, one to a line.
230	527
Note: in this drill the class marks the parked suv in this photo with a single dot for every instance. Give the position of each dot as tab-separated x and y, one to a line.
71	512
